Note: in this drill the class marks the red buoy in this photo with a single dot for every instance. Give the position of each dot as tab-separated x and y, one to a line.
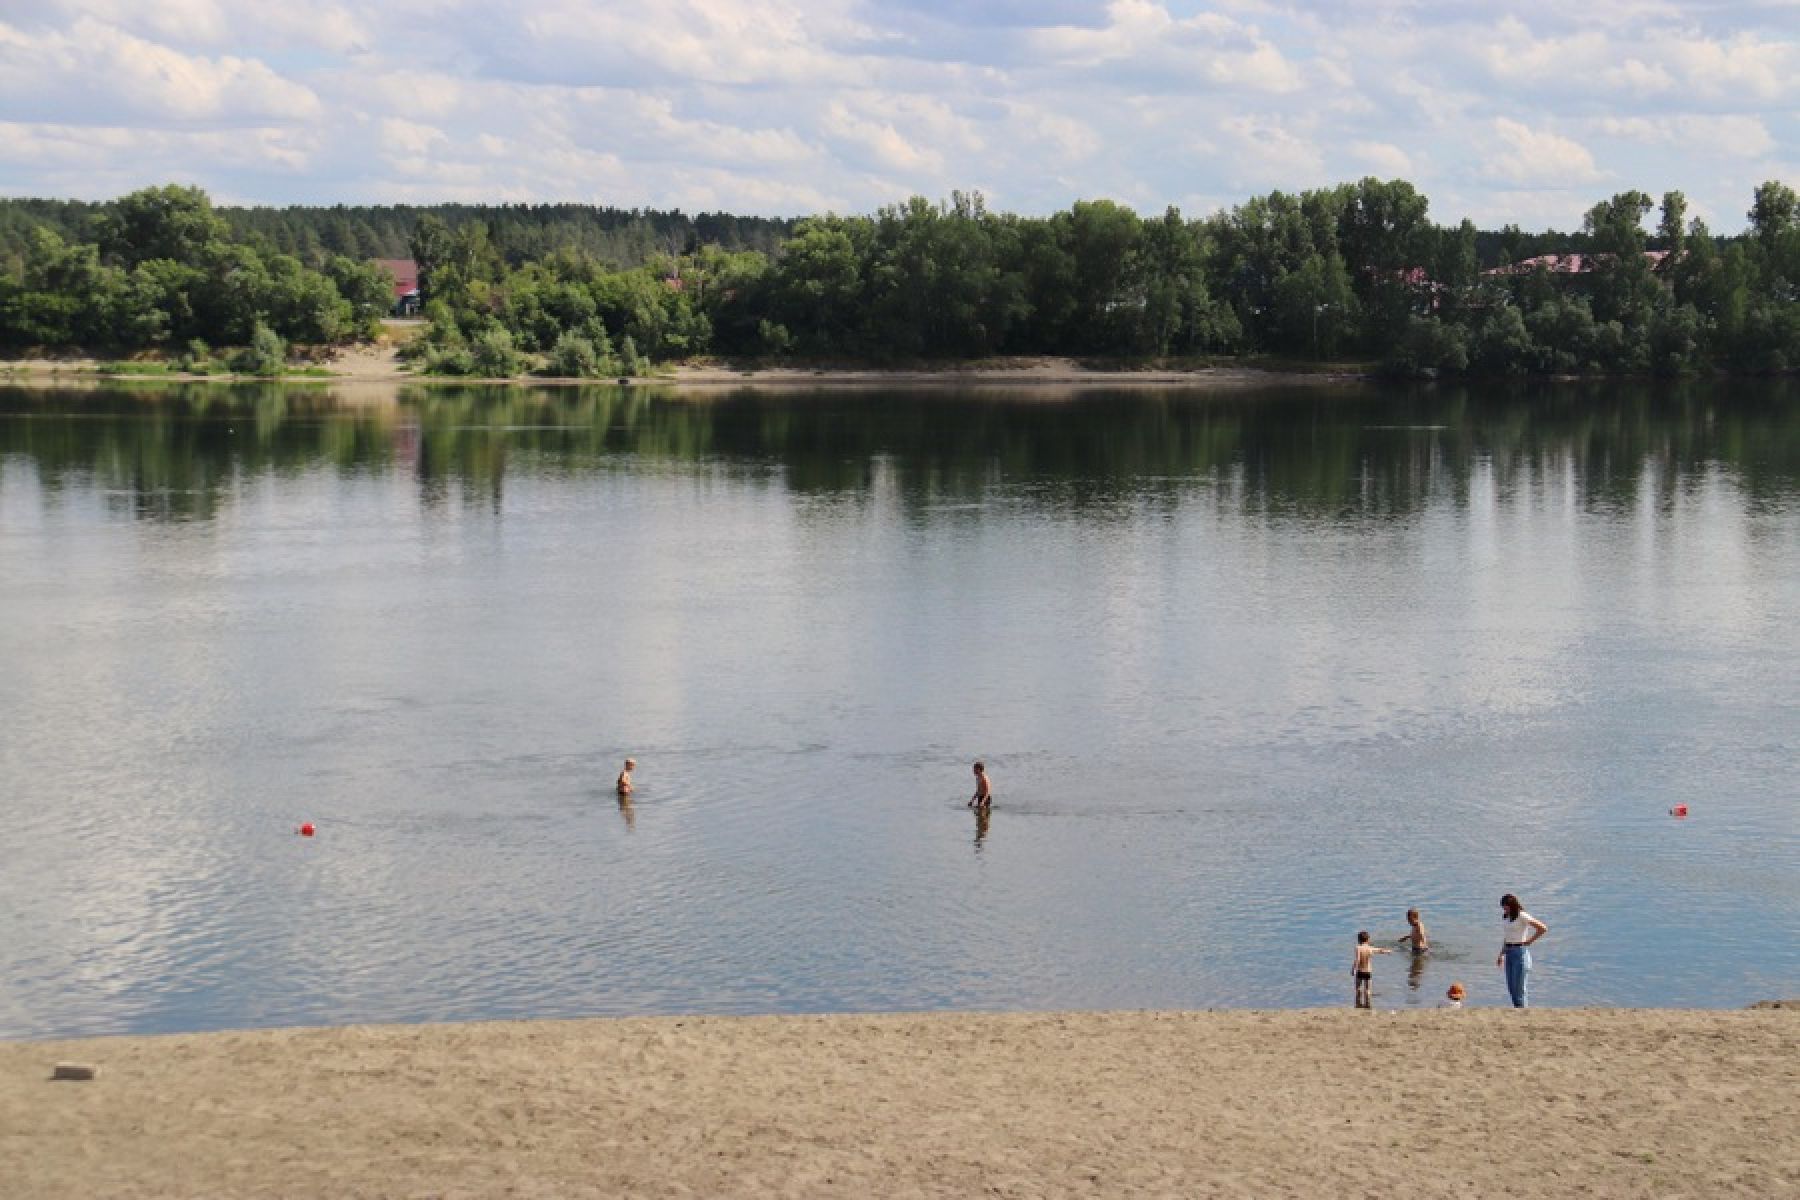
1680	810
306	830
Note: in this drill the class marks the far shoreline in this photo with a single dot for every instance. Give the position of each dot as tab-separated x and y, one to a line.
367	365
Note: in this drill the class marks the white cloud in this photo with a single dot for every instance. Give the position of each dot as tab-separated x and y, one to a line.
211	23
410	139
1538	158
1722	136
1061	139
1632	59
1744	68
98	71
1640	78
879	141
1207	48
1384	158
1518	57
136	157
701	41
1264	153
661	131
795	105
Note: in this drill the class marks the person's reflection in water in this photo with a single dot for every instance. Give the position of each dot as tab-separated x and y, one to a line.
626	811
1415	971
982	816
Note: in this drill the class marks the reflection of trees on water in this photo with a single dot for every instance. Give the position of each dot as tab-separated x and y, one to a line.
178	452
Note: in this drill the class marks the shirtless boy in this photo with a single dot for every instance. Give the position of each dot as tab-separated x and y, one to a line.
624	784
1421	941
984	794
1359	967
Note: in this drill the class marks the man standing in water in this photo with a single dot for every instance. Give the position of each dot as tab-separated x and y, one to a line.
624	784
984	794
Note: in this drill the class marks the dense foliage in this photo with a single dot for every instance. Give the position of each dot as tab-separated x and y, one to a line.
1355	270
617	237
160	267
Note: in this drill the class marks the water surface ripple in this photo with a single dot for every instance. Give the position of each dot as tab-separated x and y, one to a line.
1251	671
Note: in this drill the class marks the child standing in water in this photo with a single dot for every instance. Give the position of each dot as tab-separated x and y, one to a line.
1454	997
984	793
1360	965
624	784
1421	941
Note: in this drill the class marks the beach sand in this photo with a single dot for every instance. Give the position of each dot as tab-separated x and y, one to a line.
1301	1103
1025	372
380	363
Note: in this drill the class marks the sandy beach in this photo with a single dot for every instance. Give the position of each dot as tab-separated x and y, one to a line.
1039	372
1297	1103
380	363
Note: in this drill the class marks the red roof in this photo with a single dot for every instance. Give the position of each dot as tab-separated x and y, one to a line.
1569	264
405	272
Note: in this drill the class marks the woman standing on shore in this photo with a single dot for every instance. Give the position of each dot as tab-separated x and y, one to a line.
1519	930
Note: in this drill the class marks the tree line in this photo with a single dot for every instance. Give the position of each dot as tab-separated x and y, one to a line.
616	237
162	268
1353	271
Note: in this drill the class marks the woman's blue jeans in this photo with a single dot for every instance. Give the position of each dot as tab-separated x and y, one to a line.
1518	963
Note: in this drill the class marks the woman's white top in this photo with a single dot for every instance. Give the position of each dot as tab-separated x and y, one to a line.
1517	929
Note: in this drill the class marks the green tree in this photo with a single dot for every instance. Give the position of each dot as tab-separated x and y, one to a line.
1315	308
1671	228
173	222
266	355
1773	211
1107	287
494	356
573	356
430	246
367	288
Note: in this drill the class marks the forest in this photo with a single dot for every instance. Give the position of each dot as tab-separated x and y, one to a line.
1356	272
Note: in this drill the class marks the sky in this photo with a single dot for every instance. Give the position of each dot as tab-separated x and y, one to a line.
1523	111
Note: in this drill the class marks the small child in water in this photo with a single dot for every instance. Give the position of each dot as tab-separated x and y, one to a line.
624	784
984	793
1421	941
1454	997
1359	967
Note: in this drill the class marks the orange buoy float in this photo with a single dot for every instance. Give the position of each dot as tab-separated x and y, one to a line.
1680	810
305	830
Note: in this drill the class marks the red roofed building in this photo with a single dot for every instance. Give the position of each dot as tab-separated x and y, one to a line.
1570	264
406	284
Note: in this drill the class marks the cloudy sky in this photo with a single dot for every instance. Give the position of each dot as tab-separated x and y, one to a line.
1521	111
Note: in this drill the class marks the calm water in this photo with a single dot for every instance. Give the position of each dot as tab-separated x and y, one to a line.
1251	672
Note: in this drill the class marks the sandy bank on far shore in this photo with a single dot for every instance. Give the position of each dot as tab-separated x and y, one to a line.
1008	372
1339	1103
381	364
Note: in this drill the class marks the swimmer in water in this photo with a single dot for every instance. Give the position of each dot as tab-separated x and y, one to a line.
1421	941
624	785
1359	967
984	792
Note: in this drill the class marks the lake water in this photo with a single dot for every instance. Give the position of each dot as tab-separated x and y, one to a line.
1251	671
